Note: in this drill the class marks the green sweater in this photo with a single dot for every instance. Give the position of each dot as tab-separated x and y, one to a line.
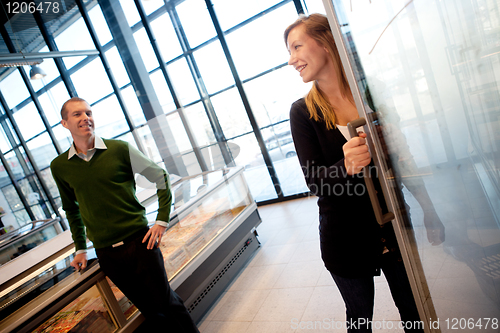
99	195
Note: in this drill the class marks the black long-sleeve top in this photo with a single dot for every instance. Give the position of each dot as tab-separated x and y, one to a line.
351	241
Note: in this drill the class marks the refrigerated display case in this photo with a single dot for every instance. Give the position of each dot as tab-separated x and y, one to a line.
19	241
211	234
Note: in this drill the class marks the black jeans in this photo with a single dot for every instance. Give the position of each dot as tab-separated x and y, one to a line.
359	293
140	274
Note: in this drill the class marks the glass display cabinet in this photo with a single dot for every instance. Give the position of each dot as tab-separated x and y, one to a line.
56	298
19	241
211	235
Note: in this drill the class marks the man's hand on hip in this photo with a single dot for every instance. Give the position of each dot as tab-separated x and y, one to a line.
154	234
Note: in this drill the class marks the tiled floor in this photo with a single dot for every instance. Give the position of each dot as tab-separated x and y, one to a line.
285	287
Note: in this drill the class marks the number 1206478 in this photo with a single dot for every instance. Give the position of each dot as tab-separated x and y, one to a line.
471	323
42	7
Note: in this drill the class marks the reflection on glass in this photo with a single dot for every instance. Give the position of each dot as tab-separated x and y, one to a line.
86	313
49	181
199	123
145	49
213	154
16	167
29	122
212	157
11	301
231	113
167	40
267	33
42	193
195	21
42	150
108	118
149	143
191	162
17	242
279	137
58	204
433	75
250	154
10	194
290	175
272	94
117	67
22	216
193	229
133	106
52	101
279	142
213	67
183	81
13	89
32	192
231	13
100	26
162	91
256	172
42	210
179	132
91	82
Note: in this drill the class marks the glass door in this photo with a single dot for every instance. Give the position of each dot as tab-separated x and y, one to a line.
426	76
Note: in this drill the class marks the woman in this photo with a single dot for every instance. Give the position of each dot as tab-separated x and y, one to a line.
354	247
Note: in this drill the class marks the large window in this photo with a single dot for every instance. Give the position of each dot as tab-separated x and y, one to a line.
259	46
195	21
210	106
213	67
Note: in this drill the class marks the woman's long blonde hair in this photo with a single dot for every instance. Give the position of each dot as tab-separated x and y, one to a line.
317	27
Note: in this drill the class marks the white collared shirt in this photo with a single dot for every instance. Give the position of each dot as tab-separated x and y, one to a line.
98	144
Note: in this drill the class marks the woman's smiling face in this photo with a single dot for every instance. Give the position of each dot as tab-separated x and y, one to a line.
307	56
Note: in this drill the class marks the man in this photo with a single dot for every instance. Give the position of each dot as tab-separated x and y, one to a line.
95	178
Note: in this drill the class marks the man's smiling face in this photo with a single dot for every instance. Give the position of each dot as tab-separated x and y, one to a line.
79	120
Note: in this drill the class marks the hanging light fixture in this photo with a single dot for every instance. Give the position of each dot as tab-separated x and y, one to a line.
36	72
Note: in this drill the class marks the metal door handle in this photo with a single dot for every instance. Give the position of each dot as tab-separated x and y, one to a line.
381	218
